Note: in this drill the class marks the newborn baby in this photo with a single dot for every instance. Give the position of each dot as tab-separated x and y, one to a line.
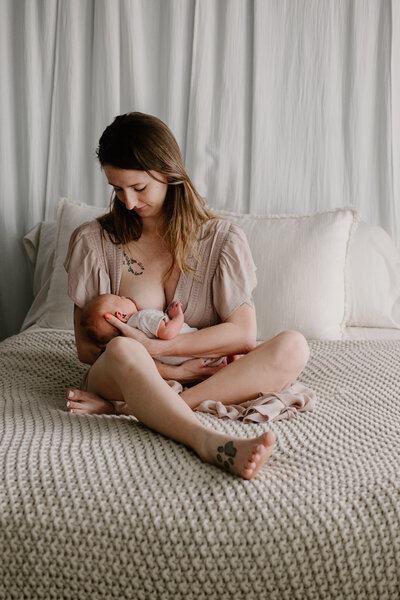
154	323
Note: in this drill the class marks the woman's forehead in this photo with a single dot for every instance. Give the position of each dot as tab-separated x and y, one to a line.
125	176
129	177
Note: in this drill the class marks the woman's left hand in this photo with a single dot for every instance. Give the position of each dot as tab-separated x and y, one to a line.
133	333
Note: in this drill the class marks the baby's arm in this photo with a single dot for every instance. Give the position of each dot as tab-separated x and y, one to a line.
167	330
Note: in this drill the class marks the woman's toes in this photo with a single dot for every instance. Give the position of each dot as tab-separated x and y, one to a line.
269	438
72	403
72	406
259	455
248	472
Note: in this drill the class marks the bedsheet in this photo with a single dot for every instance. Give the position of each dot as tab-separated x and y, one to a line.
101	507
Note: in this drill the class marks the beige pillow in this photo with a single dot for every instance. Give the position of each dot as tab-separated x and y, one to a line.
59	307
302	264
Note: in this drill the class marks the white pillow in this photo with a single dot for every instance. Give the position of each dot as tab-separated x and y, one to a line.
372	294
39	244
375	279
301	270
59	307
301	264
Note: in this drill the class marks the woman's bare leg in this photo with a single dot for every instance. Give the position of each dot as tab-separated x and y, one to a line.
126	371
270	367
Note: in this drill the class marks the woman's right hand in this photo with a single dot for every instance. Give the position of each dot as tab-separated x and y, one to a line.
196	370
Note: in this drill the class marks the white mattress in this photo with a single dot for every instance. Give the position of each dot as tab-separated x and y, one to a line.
100	507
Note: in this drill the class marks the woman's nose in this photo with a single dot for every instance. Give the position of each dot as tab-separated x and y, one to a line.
130	199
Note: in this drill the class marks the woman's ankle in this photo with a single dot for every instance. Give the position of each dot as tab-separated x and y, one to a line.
203	442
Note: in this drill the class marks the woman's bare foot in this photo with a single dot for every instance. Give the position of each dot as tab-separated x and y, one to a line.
86	403
243	457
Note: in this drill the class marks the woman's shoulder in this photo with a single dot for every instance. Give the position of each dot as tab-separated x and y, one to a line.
221	228
221	240
90	234
213	226
88	228
90	238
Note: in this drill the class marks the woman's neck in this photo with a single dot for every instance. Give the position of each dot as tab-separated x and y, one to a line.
152	227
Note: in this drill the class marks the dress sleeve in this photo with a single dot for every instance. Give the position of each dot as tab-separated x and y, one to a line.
235	276
87	273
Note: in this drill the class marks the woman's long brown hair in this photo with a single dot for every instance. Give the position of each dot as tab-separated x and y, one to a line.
141	142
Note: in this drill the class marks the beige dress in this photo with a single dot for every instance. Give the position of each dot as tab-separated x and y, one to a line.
225	271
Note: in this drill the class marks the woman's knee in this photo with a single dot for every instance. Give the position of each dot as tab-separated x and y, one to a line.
291	350
122	348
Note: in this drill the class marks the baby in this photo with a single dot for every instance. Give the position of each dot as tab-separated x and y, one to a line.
154	323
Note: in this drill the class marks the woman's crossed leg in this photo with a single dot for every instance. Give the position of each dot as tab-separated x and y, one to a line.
125	371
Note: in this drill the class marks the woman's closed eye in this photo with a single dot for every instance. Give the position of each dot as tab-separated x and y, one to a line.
136	190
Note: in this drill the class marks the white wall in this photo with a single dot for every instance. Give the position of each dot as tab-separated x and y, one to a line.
280	106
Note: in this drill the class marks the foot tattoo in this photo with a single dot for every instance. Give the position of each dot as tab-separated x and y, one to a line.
230	452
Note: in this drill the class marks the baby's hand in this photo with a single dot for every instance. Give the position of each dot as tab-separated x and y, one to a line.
174	309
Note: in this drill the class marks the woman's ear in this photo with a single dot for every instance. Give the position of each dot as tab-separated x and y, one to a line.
122	317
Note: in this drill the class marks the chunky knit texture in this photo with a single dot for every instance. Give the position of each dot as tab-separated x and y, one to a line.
101	507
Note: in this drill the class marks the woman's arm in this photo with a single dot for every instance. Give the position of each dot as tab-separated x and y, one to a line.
237	335
88	351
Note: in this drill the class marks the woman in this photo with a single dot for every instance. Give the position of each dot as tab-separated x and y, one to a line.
160	243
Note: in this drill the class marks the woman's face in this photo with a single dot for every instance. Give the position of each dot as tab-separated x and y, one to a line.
137	190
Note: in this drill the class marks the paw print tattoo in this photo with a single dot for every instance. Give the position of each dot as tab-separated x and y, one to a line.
131	261
230	452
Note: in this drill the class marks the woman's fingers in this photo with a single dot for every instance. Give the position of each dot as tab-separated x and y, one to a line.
211	370
127	330
216	362
116	322
196	369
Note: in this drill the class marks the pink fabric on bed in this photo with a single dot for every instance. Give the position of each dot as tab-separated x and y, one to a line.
267	407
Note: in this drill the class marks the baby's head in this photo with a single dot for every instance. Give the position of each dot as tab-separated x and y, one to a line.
97	328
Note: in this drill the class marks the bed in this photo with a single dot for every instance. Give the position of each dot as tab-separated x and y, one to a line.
101	507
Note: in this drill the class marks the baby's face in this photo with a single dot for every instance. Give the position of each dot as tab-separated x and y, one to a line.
123	307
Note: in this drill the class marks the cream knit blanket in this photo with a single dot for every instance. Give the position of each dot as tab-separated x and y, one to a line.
101	507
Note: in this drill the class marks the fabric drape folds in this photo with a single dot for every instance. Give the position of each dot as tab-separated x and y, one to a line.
279	106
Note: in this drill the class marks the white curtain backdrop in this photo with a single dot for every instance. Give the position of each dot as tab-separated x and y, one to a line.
279	106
